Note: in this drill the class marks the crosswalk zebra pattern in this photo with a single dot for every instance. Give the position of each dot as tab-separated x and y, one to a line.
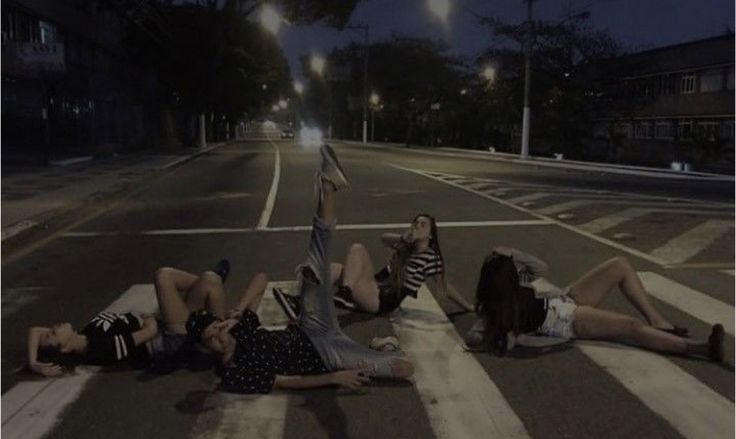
625	219
461	398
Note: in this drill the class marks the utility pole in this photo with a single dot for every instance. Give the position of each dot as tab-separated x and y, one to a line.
527	82
365	28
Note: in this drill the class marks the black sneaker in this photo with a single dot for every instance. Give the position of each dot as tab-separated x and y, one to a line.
344	298
222	269
331	169
715	341
288	303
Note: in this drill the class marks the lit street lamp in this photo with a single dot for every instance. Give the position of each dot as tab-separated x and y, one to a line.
375	101
317	64
270	19
440	8
298	88
488	73
283	104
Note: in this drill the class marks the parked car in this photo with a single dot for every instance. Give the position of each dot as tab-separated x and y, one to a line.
287	134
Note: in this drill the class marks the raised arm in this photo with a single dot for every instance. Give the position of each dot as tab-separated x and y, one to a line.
46	369
352	379
395	240
525	261
148	330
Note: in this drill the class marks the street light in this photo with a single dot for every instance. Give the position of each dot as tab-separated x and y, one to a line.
366	30
298	88
375	100
270	19
440	8
317	64
283	104
488	73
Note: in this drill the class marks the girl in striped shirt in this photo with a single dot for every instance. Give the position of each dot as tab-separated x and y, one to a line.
417	258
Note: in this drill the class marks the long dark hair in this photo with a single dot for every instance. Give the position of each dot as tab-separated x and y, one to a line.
402	254
497	301
53	354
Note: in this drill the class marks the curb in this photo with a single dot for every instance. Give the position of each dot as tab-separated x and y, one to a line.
639	171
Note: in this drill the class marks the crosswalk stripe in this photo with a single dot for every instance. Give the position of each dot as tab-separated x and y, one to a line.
31	409
563	207
249	416
460	399
728	272
601	224
688	300
529	197
685	246
691	407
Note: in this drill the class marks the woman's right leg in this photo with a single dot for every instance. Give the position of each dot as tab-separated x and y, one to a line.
593	286
358	274
597	324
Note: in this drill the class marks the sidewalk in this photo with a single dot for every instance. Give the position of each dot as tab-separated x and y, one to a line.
610	168
32	195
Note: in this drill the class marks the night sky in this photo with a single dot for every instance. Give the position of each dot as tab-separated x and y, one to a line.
637	24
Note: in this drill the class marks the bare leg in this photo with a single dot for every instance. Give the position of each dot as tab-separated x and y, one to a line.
596	324
251	297
358	275
200	291
335	272
590	289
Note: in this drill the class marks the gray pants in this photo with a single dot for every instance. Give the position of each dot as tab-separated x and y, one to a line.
318	318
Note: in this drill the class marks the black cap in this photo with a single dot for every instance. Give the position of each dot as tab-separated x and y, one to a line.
197	322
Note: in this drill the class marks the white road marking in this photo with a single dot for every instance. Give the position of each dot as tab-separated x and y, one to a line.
685	246
448	224
17	228
268	208
572	228
691	407
15	298
728	272
460	399
249	416
31	409
601	224
529	197
564	207
688	300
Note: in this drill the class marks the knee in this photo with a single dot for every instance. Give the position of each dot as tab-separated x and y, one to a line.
402	368
621	264
162	274
357	247
210	278
260	278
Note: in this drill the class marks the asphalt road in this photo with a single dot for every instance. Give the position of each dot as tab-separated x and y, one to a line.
215	203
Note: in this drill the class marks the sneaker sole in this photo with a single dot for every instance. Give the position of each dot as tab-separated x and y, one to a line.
344	303
284	304
331	157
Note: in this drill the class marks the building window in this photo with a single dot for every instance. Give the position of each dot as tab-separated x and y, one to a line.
687	83
708	131
726	130
643	130
711	80
684	129
663	131
624	130
667	85
48	32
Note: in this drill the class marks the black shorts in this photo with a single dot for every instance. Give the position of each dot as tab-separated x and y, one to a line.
389	298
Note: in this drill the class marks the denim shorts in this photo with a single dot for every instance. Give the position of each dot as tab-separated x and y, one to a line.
166	344
559	319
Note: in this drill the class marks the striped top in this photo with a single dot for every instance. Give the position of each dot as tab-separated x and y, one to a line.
110	338
418	268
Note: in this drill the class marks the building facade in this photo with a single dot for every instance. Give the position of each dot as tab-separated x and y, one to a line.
68	86
678	106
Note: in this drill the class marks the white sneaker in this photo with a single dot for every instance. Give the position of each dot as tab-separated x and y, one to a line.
331	169
384	344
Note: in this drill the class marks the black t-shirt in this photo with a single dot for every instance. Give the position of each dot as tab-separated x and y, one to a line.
536	308
110	339
261	354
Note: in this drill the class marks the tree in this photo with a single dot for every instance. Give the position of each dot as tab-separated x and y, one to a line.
212	59
564	98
